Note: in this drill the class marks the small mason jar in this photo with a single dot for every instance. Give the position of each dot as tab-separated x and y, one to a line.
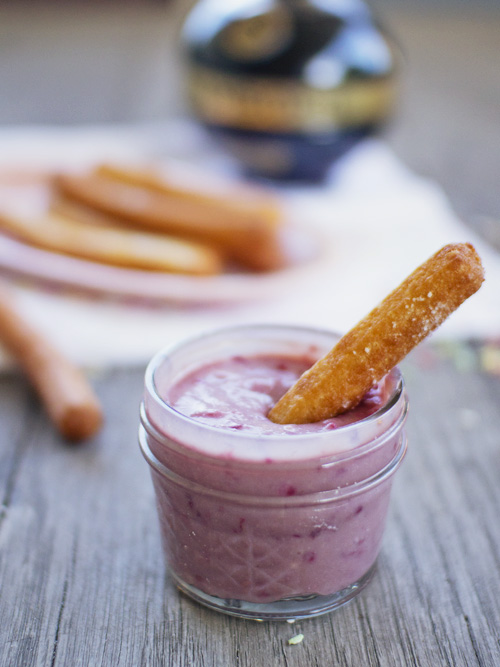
281	526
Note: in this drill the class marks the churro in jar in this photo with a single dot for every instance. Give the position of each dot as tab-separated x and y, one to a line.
273	449
263	520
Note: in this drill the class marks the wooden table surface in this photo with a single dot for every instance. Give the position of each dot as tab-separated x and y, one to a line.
82	580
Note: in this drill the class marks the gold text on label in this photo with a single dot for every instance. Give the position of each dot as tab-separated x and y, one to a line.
283	105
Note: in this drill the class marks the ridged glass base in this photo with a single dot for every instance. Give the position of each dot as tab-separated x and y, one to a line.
287	609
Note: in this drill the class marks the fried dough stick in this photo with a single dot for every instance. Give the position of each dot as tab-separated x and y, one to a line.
337	382
62	387
245	229
112	245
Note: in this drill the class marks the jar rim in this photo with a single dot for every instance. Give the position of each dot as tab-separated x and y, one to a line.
396	403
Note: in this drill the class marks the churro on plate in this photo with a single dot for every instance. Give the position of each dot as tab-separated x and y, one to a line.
156	233
339	380
112	245
244	224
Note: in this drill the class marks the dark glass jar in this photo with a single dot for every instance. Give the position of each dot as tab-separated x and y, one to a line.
288	86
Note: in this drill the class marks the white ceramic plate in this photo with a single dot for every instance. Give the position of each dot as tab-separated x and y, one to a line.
27	193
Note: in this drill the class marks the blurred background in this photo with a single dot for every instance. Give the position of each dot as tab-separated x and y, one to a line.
117	61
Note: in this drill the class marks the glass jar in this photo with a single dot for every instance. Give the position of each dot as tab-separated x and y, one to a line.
272	526
288	86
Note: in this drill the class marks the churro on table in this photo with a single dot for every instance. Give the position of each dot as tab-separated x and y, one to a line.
63	389
339	380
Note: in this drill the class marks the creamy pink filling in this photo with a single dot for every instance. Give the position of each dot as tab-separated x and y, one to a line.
238	393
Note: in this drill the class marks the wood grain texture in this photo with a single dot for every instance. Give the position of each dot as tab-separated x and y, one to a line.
82	575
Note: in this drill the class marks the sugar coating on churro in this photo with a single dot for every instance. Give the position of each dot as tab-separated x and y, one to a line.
339	380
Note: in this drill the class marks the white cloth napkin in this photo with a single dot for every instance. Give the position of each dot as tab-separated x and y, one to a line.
375	221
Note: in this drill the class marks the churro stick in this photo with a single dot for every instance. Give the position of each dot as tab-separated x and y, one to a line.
244	204
241	200
138	250
63	389
246	232
338	381
70	209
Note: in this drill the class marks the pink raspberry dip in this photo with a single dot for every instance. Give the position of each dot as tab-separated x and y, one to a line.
238	393
254	513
